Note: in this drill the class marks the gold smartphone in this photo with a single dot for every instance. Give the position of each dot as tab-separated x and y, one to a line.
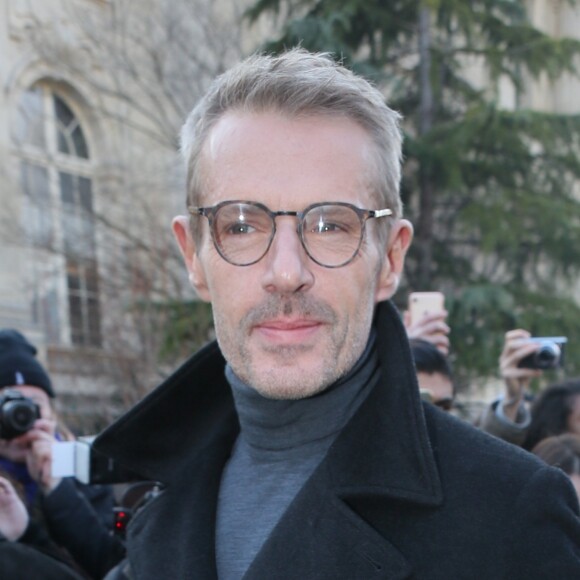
423	303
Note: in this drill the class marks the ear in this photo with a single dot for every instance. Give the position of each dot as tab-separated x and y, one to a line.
197	277
400	239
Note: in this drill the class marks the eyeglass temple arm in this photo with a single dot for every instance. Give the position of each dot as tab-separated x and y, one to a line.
381	213
373	213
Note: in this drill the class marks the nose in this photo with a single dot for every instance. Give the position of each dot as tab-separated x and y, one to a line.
288	268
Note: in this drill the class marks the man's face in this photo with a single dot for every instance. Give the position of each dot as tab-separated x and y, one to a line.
15	449
288	326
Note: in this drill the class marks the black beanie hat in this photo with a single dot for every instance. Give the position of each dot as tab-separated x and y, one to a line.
18	363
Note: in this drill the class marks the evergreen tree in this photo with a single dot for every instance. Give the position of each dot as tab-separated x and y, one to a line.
490	190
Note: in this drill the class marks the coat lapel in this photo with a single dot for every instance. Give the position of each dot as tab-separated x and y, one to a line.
185	432
174	537
321	537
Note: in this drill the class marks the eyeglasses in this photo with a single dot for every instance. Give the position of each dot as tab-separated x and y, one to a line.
330	233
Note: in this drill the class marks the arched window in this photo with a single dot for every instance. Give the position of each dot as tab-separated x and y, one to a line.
56	178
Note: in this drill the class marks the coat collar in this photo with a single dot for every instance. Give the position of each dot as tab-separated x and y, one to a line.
386	443
188	413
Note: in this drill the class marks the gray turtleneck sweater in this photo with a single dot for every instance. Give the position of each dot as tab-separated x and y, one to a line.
280	445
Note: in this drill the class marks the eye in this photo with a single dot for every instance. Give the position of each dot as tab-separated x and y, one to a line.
242	220
331	220
331	224
322	227
239	229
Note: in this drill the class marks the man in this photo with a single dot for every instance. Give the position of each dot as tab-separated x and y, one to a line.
297	446
508	417
429	341
60	511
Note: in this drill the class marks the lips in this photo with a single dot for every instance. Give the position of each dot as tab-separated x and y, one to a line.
288	330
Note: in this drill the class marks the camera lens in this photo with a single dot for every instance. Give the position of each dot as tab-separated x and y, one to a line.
548	355
17	414
22	417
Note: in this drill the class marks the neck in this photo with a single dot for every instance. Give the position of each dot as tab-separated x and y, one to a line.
275	425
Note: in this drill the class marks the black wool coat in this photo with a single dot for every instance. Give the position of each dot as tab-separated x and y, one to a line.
24	561
405	491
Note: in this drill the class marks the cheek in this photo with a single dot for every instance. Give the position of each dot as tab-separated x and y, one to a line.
231	290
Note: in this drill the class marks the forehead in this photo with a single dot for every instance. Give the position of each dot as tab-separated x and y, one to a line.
287	162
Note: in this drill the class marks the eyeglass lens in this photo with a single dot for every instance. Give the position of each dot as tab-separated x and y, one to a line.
331	233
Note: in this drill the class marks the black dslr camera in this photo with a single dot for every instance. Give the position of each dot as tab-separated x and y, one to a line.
550	355
17	414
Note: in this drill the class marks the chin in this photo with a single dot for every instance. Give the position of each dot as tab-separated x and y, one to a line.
289	386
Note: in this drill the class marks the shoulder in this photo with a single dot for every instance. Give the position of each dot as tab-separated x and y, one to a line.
529	508
451	436
501	470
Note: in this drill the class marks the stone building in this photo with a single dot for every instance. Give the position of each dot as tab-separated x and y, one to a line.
93	95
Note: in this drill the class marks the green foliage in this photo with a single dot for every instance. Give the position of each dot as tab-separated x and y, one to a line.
189	326
503	236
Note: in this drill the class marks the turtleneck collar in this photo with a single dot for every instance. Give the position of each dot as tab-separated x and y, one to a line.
277	425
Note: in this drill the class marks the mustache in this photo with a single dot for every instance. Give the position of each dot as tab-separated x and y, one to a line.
299	306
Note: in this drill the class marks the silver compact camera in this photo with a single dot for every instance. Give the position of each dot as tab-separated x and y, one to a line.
550	355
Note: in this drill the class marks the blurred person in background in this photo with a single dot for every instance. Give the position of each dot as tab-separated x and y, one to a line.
77	517
508	417
555	411
433	373
511	417
26	551
562	451
430	345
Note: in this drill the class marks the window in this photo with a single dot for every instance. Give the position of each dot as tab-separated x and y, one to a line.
55	176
